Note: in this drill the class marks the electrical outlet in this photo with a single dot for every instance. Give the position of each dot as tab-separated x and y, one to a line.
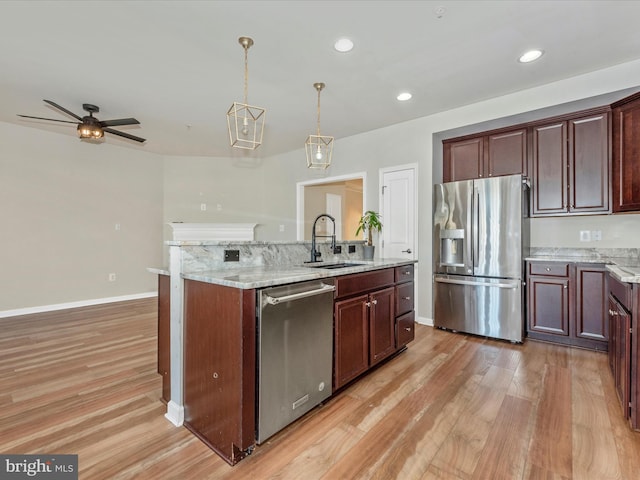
282	228
117	226
112	277
232	255
585	236
352	249
219	207
596	235
203	207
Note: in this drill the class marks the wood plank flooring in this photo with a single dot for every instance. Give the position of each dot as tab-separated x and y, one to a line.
452	406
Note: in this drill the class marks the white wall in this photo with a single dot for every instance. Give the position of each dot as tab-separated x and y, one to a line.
60	199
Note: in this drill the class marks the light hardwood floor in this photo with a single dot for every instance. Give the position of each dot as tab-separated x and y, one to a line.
452	406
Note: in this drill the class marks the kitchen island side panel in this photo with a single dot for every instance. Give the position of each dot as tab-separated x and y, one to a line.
219	371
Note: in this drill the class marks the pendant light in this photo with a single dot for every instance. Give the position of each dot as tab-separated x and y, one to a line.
245	122
319	148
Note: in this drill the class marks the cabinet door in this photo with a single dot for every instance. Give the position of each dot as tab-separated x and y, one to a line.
382	327
549	305
622	359
549	169
626	157
507	153
591	319
351	339
463	160
613	335
589	164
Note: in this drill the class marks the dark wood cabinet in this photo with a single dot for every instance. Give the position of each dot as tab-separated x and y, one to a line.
626	154
567	303
364	333
489	155
620	352
164	335
220	367
351	339
371	322
591	320
548	306
382	326
570	165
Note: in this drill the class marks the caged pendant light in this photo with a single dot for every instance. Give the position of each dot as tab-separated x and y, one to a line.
319	148
245	122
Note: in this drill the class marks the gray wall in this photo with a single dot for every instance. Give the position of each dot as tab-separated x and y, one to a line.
60	200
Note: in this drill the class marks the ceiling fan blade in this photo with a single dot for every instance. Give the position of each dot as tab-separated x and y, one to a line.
119	121
68	112
49	119
125	135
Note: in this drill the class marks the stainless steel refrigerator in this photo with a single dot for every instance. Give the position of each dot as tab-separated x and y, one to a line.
480	239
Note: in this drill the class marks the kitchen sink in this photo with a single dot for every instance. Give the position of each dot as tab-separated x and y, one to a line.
332	266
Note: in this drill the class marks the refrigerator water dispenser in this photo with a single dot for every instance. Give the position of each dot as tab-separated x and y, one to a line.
452	248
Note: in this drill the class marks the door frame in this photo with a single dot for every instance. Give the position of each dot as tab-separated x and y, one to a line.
300	195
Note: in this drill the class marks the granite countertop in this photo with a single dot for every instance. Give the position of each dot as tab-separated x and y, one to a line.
268	276
625	266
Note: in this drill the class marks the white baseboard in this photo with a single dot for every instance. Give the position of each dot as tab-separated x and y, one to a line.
425	321
81	303
175	413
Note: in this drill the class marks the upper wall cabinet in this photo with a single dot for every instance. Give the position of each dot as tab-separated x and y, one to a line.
626	154
489	155
570	165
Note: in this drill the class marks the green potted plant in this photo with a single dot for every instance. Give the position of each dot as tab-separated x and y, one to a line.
369	222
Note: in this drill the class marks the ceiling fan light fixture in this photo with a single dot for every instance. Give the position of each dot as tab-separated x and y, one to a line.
319	148
90	131
245	122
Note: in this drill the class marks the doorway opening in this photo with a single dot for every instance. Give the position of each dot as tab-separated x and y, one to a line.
341	197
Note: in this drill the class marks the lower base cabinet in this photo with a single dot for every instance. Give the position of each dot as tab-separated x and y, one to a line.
567	304
624	351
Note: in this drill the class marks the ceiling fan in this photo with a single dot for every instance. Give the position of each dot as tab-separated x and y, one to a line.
89	126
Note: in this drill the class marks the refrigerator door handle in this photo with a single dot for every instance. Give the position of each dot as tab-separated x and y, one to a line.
475	227
470	282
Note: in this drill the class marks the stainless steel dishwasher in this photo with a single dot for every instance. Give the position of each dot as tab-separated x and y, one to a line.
295	352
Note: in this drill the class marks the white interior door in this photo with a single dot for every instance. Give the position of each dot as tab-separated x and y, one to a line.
398	209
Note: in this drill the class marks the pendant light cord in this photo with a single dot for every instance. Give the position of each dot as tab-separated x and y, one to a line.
246	73
319	111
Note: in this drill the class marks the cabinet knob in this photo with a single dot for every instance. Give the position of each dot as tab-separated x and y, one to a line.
408	329
548	269
406	298
406	272
375	302
368	304
566	286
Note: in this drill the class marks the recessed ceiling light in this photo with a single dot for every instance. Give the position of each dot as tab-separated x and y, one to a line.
404	96
530	56
343	45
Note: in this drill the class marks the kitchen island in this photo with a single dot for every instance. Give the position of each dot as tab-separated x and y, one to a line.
216	392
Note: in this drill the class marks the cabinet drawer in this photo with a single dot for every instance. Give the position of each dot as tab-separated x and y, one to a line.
405	329
553	269
404	274
404	298
620	290
363	282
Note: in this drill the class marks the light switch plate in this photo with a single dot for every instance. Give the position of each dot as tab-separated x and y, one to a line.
585	235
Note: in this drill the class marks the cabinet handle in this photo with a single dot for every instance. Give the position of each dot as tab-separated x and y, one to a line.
406	272
368	304
408	329
406	298
613	313
408	250
565	287
375	302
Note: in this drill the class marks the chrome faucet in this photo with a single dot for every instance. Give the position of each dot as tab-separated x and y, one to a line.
314	253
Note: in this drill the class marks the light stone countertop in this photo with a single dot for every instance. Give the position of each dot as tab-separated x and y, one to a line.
260	277
615	264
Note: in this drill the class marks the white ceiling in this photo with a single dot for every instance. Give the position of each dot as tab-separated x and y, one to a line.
177	66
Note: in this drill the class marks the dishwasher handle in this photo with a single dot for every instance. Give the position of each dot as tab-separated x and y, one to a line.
297	296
